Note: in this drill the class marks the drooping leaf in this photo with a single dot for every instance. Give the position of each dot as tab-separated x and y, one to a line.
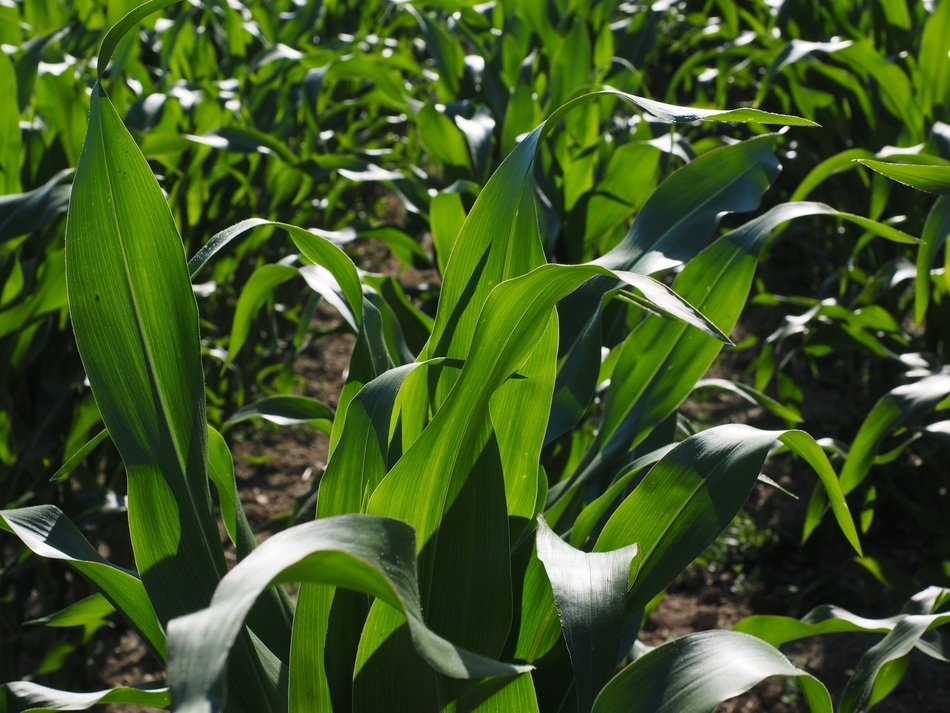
24	212
371	555
933	179
285	410
897	644
690	496
26	697
319	246
49	533
696	673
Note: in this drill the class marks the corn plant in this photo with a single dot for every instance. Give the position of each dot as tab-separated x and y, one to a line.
500	504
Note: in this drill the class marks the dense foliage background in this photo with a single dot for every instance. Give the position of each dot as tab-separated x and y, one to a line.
373	127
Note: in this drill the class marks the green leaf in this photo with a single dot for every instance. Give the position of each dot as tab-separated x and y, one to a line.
590	592
286	410
753	396
34	698
79	455
682	114
371	555
690	496
933	78
23	213
49	533
825	619
117	31
696	673
358	462
136	326
659	363
899	407
446	216
673	226
9	132
319	246
897	644
88	611
441	137
497	695
936	230
933	179
449	484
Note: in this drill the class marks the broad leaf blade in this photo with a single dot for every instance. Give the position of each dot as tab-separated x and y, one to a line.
49	533
691	496
136	326
933	179
367	554
33	698
698	672
590	590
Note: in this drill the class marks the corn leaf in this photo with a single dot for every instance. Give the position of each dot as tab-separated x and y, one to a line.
136	326
25	697
89	612
285	410
319	246
897	408
691	496
898	643
696	673
22	213
49	533
143	373
672	227
660	363
9	132
933	179
119	29
79	455
358	463
432	486
936	231
590	592
371	555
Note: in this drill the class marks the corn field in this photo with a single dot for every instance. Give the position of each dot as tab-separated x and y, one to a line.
549	236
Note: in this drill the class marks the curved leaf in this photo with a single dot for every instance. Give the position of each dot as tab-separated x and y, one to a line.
118	30
34	698
285	410
690	496
49	533
897	644
933	179
368	554
696	673
936	231
319	246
